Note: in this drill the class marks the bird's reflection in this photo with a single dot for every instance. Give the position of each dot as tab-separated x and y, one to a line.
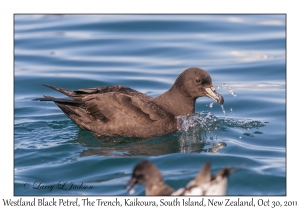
177	142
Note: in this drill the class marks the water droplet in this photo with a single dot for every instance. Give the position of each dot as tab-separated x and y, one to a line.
211	105
224	111
229	89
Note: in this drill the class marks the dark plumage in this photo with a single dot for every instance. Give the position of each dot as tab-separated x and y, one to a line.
147	174
122	111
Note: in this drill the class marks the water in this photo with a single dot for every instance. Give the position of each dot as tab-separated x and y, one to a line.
245	55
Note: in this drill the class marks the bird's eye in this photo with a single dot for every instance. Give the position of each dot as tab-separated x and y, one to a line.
198	80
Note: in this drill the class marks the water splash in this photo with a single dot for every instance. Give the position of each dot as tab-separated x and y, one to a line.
224	111
208	122
229	88
193	130
203	120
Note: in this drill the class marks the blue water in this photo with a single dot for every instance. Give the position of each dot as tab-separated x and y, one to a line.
244	54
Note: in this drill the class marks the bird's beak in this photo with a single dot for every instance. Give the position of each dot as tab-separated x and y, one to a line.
131	184
211	93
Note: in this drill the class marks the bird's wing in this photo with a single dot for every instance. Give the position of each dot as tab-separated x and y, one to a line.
115	88
116	105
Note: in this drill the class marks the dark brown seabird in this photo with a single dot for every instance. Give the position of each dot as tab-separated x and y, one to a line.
147	174
121	111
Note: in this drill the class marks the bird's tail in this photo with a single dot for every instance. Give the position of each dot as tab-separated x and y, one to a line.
64	91
73	109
